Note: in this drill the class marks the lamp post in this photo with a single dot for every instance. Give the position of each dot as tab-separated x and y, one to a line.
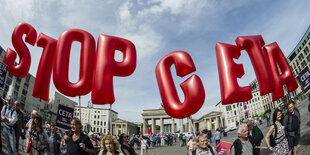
89	106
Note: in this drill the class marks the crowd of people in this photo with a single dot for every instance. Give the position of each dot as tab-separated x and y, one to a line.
282	137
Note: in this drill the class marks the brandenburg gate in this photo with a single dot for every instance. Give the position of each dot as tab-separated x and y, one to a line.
155	114
211	121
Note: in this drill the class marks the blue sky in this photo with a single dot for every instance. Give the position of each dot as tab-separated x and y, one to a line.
158	27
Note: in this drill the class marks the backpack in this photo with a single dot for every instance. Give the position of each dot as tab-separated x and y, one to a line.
272	141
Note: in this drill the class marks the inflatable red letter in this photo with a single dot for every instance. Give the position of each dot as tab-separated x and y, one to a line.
276	58
20	70
253	45
229	71
193	88
106	67
44	72
61	65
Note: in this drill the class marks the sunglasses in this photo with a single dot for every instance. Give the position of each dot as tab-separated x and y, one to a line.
125	137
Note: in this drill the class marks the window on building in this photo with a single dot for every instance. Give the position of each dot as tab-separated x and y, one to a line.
8	81
104	130
95	115
104	123
94	122
97	122
27	78
101	123
235	112
306	50
234	106
303	64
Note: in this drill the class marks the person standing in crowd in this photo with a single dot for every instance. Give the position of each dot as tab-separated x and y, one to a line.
39	140
94	141
243	144
191	145
77	142
181	139
125	147
278	132
109	146
268	119
144	145
158	140
53	140
184	140
9	117
132	140
256	135
63	145
204	147
28	125
209	134
292	126
19	125
217	136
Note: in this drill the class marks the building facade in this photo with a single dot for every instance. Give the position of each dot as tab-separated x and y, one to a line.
95	119
210	121
299	59
56	99
120	126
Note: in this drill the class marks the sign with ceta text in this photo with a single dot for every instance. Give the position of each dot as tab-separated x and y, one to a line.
223	148
304	79
3	71
64	115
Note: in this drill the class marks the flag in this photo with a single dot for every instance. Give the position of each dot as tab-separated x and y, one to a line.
149	131
223	148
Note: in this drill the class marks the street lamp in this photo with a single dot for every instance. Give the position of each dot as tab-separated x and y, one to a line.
89	106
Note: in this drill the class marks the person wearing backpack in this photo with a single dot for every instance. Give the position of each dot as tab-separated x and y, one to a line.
9	117
256	134
292	127
244	143
276	139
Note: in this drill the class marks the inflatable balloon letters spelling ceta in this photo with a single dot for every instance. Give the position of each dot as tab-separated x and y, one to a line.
98	67
265	60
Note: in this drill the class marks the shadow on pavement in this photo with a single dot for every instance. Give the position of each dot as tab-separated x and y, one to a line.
305	139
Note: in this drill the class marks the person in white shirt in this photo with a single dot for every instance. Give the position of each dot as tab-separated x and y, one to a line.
9	117
144	145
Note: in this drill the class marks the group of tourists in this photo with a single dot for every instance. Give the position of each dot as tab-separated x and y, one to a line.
282	137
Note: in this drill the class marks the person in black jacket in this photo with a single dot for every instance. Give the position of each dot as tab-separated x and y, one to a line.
256	134
244	143
292	126
78	143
